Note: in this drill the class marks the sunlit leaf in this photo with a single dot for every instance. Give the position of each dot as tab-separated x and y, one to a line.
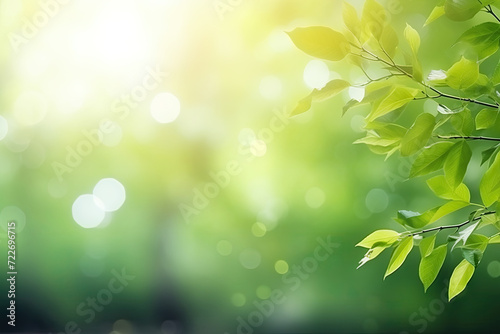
413	38
397	97
426	245
456	163
399	255
489	187
448	208
321	42
418	135
463	122
462	74
461	10
486	118
415	219
436	13
351	19
331	89
379	238
374	18
370	255
442	189
459	278
430	266
483	38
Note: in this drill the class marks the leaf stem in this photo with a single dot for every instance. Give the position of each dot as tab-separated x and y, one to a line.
457	226
469	138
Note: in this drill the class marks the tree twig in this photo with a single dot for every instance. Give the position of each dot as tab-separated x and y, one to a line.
469	138
457	226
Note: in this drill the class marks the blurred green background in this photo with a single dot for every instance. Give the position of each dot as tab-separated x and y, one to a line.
118	117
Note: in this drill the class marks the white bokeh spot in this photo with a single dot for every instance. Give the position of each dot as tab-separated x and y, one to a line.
88	211
165	108
111	194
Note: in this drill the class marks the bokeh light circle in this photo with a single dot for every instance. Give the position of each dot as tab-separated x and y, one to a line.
250	258
315	197
165	108
88	211
263	292
13	214
238	299
316	74
377	200
259	229
111	193
224	247
281	267
494	269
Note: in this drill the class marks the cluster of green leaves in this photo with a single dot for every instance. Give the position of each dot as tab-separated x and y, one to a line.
468	102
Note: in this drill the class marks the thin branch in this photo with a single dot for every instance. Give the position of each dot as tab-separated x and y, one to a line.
457	226
391	63
465	99
469	138
490	10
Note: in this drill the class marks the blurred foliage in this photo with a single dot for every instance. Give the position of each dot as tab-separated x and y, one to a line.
71	67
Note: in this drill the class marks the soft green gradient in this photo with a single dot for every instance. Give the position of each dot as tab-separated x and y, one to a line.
231	76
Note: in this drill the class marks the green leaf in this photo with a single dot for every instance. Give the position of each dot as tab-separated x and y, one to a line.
387	130
473	256
483	38
494	239
415	219
486	118
486	220
495	78
462	74
477	241
418	135
459	278
321	42
430	266
488	153
351	103
456	163
431	159
399	255
413	38
397	97
461	10
351	19
442	189
482	86
376	141
436	13
427	245
489	187
379	238
370	255
463	122
374	18
331	89
448	208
